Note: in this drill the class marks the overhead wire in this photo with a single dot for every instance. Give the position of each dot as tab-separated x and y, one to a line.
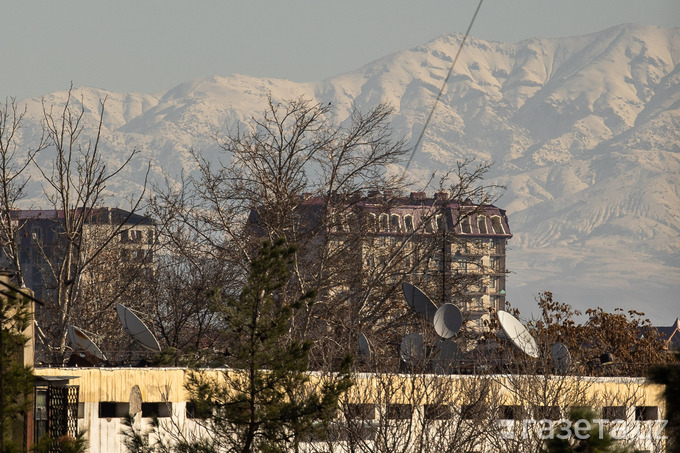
441	91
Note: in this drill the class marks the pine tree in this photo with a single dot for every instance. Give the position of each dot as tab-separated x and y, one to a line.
594	441
16	379
267	400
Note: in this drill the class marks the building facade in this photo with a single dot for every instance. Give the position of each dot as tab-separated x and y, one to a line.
453	250
388	412
41	239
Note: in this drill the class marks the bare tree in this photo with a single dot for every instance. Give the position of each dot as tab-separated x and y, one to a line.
13	163
75	185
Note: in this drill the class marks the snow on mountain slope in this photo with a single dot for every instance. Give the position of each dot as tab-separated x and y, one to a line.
584	132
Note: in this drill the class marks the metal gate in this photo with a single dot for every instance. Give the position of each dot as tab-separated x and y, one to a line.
61	410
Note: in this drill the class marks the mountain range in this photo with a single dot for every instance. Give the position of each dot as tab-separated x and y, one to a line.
584	133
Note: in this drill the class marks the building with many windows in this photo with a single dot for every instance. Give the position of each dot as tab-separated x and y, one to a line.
453	250
41	242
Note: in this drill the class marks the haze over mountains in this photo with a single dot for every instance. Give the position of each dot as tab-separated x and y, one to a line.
584	132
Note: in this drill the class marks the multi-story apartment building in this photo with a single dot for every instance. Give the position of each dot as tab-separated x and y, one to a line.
41	241
453	250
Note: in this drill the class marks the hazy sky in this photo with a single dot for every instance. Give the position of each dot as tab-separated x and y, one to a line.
152	45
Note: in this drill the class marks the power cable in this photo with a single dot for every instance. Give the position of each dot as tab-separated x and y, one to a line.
441	91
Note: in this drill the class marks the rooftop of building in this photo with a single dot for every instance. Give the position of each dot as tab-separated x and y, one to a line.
100	215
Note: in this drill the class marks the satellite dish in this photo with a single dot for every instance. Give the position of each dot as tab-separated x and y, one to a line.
137	329
83	343
444	354
364	346
561	358
411	349
518	334
418	301
447	320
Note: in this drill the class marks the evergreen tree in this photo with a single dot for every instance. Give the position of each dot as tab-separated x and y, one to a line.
669	375
266	401
597	440
16	379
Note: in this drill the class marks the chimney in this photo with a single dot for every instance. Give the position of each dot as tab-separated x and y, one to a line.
417	196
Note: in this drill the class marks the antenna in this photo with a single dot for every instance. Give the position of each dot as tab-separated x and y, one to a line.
448	320
518	334
364	346
82	342
561	358
418	301
137	329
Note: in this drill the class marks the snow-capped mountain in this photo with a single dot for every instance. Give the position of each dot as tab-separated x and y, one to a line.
583	131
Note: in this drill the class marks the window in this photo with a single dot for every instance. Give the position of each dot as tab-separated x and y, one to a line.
156	409
372	222
472	411
428	225
437	412
614	412
383	222
510	413
497	225
481	224
111	409
197	412
644	413
408	223
441	222
37	234
465	226
360	411
548	413
399	411
395	224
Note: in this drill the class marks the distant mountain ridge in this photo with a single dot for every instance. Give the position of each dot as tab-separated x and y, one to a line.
584	132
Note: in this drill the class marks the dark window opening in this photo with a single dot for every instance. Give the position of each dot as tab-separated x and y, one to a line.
644	413
465	226
510	412
198	411
360	411
111	409
408	223
614	413
399	411
497	225
548	413
156	409
395	225
481	223
437	412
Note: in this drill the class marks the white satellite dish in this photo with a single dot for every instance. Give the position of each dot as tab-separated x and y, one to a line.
560	357
518	334
411	349
447	320
83	343
364	346
418	301
137	329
